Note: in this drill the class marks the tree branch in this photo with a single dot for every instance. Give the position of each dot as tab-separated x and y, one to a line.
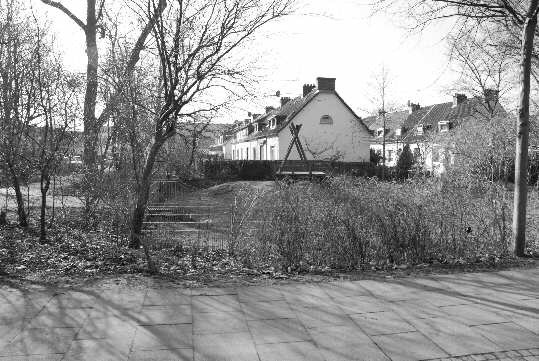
66	11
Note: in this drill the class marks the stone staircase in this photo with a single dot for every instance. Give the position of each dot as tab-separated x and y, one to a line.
181	215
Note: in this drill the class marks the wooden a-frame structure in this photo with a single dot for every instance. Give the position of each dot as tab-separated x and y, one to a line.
294	129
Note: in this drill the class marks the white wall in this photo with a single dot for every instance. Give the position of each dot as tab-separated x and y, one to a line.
227	149
392	147
260	145
425	151
346	138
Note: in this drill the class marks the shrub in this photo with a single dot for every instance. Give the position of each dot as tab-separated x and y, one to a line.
405	162
353	223
237	170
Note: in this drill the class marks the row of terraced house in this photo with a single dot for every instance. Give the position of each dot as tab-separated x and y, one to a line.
330	129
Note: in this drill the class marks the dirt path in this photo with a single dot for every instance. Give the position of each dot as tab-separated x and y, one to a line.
32	193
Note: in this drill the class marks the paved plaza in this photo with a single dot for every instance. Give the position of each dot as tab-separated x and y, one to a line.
468	316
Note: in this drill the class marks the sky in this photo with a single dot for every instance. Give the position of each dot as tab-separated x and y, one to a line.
339	38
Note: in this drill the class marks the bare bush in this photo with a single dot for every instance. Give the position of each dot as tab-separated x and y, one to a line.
357	223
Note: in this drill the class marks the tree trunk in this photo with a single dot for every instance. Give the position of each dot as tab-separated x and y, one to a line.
143	194
521	157
23	221
91	130
192	154
44	186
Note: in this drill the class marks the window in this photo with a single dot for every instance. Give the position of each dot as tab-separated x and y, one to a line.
419	130
326	119
380	132
443	126
390	156
417	153
261	152
398	132
254	153
272	152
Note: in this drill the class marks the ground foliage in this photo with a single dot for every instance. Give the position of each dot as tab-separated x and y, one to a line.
348	227
350	223
77	258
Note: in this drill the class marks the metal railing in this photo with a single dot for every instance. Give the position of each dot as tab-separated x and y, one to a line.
175	218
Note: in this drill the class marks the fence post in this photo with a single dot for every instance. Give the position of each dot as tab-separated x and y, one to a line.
53	198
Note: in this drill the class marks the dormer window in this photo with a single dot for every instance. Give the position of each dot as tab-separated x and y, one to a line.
326	119
419	130
380	132
273	123
398	132
443	126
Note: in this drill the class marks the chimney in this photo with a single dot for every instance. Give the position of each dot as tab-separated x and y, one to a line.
458	99
413	107
269	109
307	88
284	100
491	96
326	84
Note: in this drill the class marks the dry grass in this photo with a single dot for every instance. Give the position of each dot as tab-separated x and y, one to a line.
358	223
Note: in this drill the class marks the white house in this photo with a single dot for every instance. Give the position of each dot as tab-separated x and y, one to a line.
417	125
330	129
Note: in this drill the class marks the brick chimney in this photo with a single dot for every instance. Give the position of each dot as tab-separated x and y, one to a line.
284	100
413	107
307	88
326	84
269	109
459	99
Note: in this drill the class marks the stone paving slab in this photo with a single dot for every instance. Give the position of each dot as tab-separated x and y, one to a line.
290	351
472	316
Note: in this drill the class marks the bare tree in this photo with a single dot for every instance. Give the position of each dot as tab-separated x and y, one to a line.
196	43
17	60
484	67
513	17
53	131
378	95
94	25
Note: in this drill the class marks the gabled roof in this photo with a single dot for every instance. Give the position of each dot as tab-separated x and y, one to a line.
394	120
428	117
288	112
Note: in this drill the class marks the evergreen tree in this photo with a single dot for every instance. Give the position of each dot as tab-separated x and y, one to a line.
405	162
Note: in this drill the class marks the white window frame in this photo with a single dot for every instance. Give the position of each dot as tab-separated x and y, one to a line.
380	132
326	119
441	124
419	130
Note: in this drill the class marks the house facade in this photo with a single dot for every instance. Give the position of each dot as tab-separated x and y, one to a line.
417	126
330	130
